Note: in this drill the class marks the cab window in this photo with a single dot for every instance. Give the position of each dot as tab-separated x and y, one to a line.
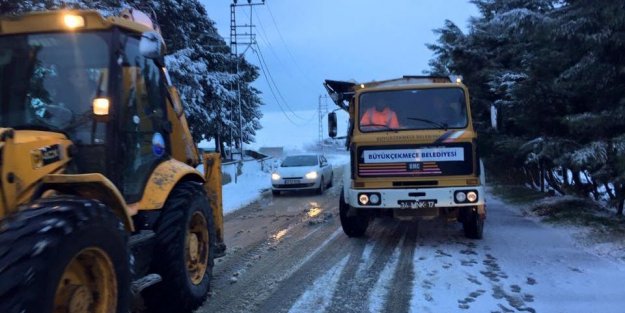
143	115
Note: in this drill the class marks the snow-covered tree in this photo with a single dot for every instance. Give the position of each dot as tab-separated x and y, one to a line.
555	71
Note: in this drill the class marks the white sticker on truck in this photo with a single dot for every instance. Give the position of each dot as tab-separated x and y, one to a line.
414	155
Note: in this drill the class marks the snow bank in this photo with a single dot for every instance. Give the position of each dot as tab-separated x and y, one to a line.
248	187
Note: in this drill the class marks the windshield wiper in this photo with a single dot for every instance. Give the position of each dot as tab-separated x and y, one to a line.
444	126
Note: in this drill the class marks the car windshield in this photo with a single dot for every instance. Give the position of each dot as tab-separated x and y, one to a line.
436	108
299	160
48	81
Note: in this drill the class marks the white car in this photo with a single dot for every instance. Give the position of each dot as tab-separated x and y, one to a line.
302	172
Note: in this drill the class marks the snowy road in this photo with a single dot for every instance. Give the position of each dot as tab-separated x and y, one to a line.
289	254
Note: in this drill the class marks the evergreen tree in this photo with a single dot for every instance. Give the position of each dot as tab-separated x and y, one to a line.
555	70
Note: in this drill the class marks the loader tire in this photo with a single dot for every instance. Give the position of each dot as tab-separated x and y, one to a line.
472	224
184	251
61	254
353	226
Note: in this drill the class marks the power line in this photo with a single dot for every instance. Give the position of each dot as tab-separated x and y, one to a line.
285	45
264	38
275	91
262	67
272	81
273	86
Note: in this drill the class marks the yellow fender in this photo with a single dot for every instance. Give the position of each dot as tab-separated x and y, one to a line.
91	186
163	179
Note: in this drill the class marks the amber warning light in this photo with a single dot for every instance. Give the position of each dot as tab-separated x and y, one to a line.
73	21
101	106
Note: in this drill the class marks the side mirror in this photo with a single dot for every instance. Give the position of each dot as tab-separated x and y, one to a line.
150	45
332	124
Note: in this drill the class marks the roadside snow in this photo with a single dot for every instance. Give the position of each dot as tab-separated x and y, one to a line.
338	160
249	186
592	239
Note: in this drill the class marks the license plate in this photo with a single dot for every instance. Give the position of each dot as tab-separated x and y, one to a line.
291	181
416	204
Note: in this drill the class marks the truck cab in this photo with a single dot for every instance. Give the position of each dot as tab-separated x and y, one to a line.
413	152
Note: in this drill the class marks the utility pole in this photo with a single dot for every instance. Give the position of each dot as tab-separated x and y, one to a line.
247	39
322	110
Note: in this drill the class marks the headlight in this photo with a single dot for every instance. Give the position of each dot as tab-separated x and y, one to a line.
311	175
472	196
460	196
275	176
101	106
363	199
374	198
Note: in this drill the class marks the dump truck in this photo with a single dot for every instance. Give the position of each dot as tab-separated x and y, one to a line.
413	152
101	206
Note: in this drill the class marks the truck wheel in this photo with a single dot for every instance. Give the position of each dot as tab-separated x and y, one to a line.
353	226
64	254
322	186
183	255
331	184
472	224
275	193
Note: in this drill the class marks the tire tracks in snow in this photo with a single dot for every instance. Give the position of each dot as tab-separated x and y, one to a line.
320	295
272	239
377	276
368	259
455	274
379	294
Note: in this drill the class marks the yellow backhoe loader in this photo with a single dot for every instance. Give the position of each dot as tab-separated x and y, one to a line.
101	207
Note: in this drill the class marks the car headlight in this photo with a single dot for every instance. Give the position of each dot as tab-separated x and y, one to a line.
311	175
275	176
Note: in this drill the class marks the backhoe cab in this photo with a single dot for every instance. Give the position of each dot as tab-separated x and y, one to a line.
99	197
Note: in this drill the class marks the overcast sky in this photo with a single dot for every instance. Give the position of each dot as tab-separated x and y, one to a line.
305	42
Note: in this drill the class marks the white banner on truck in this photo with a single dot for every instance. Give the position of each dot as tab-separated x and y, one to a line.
414	155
